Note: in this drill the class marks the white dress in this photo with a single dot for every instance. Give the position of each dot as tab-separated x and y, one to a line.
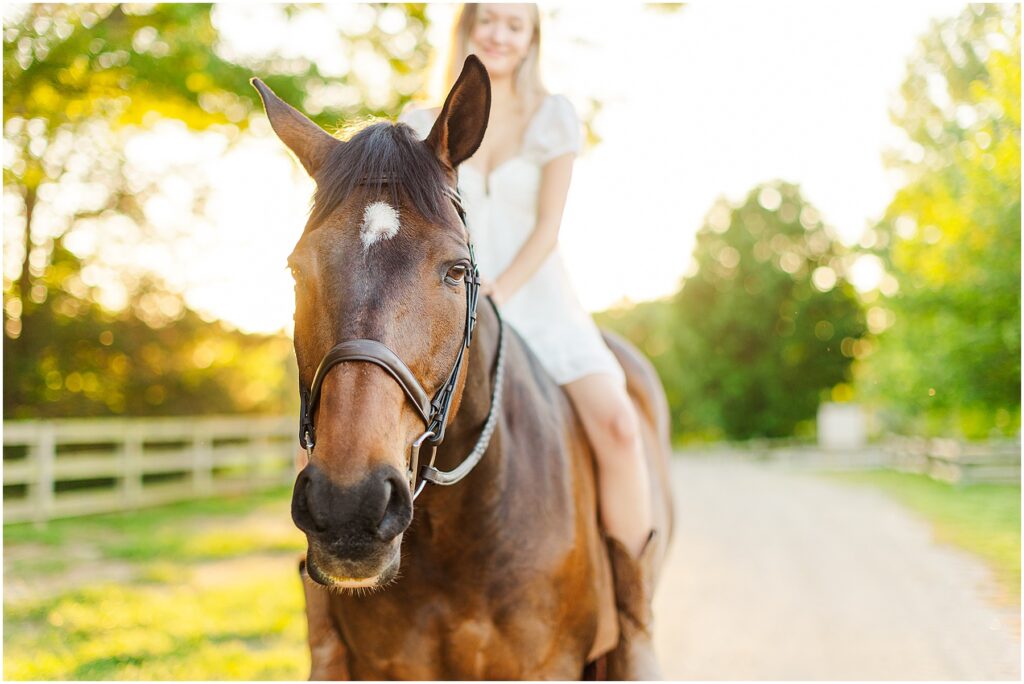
501	214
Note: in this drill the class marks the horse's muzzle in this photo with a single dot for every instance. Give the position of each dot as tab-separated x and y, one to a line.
353	531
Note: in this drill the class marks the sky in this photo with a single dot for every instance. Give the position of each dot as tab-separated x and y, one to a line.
700	103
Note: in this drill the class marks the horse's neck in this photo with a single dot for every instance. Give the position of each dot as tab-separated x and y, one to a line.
524	480
463	432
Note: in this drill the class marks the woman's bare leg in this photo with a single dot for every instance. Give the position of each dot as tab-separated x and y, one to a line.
611	424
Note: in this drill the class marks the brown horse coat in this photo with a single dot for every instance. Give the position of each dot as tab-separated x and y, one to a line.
508	576
503	575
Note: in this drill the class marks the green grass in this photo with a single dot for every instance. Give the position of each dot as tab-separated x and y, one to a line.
212	592
150	531
244	629
983	519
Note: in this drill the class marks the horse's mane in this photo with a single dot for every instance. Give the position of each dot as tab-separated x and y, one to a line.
382	154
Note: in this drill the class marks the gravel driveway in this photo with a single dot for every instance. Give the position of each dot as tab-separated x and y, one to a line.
777	574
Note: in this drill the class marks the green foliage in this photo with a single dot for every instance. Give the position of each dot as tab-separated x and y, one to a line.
154	358
981	518
67	63
950	363
763	330
80	83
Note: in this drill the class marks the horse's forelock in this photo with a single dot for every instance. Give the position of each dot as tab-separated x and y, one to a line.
382	156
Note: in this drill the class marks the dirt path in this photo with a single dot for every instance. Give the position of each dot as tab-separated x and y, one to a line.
780	575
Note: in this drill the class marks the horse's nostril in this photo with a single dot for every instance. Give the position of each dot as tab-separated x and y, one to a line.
397	511
388	490
375	510
302	514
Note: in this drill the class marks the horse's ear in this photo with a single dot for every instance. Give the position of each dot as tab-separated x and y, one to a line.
310	143
460	126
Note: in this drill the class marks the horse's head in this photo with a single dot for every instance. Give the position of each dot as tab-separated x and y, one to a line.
384	260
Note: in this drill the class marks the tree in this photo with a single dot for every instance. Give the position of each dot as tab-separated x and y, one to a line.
774	324
765	324
950	362
80	82
94	362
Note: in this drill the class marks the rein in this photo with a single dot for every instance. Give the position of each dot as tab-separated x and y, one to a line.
433	412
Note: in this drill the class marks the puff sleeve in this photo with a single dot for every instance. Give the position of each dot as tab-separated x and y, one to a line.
421	120
555	131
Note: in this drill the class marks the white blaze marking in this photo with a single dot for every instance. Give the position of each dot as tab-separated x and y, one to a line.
380	222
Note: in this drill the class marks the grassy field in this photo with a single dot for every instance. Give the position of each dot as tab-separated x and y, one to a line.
209	590
202	590
983	519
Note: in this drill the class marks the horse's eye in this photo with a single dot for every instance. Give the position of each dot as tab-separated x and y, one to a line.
456	274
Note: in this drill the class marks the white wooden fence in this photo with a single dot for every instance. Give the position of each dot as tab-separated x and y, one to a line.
950	460
994	461
59	468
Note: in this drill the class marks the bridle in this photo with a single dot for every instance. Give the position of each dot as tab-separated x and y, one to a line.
433	412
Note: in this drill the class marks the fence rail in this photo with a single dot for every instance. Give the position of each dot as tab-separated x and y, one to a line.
62	468
950	460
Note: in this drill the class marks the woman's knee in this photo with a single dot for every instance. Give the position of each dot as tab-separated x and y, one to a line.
621	424
617	423
608	415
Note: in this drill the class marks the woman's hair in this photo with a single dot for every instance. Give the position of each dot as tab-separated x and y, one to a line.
527	82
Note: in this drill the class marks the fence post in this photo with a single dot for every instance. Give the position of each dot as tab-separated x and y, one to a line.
202	463
131	466
46	455
258	453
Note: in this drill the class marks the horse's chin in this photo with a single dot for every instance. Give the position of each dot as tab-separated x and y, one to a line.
342	575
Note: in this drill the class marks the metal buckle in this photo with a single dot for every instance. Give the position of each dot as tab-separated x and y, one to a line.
414	463
307	433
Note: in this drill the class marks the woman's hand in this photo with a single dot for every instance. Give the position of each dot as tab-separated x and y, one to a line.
491	288
543	239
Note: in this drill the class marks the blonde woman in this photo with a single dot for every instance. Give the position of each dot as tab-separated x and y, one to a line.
514	189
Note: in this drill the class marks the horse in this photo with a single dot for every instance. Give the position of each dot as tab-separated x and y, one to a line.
504	572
